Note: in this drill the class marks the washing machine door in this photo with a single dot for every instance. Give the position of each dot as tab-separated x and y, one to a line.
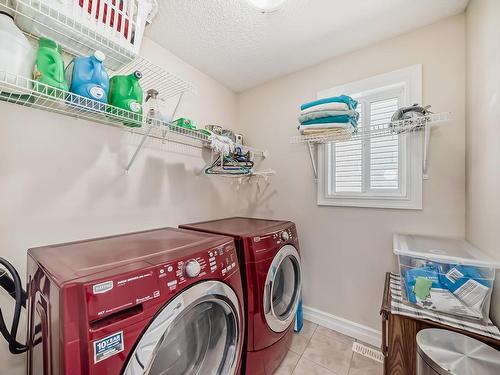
196	333
282	289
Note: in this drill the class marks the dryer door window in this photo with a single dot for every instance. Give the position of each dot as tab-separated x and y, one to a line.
196	333
282	291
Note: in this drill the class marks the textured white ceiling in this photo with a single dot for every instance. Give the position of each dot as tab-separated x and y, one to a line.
240	47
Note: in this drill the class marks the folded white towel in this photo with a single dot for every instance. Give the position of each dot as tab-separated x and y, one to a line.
340	125
334	134
324	113
326	107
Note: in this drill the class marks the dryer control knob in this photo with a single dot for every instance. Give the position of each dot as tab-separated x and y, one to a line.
193	268
285	236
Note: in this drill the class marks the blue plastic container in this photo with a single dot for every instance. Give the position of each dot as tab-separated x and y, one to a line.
88	77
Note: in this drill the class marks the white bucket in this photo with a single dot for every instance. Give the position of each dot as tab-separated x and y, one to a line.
17	57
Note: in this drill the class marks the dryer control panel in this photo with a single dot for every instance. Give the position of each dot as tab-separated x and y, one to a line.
266	245
218	262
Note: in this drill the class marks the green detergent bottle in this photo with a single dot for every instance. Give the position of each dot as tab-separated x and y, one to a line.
126	93
49	68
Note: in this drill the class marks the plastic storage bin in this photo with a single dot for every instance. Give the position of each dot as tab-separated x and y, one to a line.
446	275
82	26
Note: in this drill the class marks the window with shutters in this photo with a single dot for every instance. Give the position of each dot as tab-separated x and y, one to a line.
375	171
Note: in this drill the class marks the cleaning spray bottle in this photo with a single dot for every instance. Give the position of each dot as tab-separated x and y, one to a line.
152	106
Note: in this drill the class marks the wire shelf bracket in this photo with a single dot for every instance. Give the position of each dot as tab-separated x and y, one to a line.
148	132
394	128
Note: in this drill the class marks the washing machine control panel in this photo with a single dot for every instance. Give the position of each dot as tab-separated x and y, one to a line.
193	268
220	261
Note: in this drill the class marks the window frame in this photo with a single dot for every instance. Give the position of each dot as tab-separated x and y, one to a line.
409	195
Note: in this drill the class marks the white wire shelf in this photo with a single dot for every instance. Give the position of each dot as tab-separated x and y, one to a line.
18	90
265	174
394	129
167	84
26	92
250	178
78	40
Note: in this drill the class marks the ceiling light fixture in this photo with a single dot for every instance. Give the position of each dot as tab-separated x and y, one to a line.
267	6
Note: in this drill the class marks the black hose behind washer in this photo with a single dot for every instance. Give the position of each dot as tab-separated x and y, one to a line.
13	286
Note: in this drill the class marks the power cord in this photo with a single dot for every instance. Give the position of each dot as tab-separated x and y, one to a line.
12	284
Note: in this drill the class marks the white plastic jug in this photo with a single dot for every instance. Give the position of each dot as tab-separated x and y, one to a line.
17	57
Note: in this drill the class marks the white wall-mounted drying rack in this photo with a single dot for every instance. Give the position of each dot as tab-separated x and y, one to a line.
76	40
242	174
394	129
30	93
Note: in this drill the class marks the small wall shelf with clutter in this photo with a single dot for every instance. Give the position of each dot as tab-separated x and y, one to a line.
335	133
92	32
231	159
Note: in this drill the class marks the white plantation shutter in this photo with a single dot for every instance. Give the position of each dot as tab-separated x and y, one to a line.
371	164
384	151
349	163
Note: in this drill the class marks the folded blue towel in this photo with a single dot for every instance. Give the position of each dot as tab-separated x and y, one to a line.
334	119
351	103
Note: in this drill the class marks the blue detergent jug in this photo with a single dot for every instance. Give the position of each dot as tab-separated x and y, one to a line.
88	77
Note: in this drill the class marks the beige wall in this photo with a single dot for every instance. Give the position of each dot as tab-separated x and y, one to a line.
483	131
63	179
346	251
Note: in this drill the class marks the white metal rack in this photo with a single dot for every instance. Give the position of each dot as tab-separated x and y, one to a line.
81	41
37	95
78	39
253	178
167	84
78	31
393	129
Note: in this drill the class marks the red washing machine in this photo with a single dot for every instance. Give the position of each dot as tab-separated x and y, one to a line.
268	251
165	301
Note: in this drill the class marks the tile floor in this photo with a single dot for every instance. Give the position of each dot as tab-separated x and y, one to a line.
320	351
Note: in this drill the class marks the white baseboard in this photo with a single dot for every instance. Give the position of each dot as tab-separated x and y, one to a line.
358	331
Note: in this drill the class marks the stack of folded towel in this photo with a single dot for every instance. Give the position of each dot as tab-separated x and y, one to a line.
336	115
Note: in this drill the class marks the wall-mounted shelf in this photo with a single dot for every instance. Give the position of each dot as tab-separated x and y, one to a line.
392	129
83	37
29	93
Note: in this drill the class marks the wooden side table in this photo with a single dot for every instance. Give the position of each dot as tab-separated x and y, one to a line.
399	332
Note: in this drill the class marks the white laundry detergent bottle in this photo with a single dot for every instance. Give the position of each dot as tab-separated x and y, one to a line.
17	57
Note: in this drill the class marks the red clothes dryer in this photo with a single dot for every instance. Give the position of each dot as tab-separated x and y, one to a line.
268	251
165	301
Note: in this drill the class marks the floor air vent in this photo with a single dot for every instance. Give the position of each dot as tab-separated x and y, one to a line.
368	351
